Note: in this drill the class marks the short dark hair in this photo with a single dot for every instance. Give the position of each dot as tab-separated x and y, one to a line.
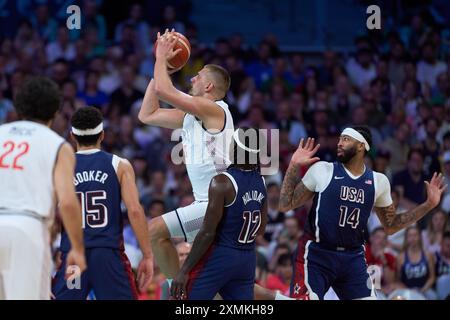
415	150
284	259
87	118
242	156
272	185
157	201
365	132
39	98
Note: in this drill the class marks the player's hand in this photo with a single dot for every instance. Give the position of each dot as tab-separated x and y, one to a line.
75	262
145	273
165	44
435	188
304	155
178	288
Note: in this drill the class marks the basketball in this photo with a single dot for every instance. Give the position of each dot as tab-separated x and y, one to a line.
182	57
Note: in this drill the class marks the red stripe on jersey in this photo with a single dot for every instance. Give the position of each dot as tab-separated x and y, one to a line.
198	269
298	286
127	266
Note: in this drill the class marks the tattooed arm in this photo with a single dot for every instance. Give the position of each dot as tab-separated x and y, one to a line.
393	222
293	192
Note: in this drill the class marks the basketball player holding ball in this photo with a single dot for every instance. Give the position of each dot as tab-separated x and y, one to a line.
207	134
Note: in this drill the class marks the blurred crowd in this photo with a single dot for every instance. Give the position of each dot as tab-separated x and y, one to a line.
395	80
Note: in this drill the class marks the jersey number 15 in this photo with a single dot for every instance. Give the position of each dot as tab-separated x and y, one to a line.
93	212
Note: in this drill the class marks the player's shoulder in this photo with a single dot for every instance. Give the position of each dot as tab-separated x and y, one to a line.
321	165
221	103
380	178
223	181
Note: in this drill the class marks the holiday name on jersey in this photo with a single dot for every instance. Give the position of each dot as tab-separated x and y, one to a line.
91	175
252	195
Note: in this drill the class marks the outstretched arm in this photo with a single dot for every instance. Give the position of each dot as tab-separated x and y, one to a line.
219	187
393	222
138	221
293	192
151	113
201	107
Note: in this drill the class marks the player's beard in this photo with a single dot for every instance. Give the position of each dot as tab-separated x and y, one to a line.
347	155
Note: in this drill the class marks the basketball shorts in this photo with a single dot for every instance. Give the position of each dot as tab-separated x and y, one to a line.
316	269
185	222
108	275
227	271
25	258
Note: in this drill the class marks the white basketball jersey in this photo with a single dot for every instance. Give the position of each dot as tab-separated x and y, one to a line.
206	153
28	152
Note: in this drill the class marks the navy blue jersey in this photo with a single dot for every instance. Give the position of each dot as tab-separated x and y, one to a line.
415	275
98	190
242	219
339	214
442	267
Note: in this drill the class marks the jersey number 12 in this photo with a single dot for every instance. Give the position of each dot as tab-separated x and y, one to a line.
252	222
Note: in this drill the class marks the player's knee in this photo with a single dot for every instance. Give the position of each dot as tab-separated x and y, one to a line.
157	230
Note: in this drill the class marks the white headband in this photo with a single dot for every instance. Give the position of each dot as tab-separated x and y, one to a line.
88	132
240	144
356	135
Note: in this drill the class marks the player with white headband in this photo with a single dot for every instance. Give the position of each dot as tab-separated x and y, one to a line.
102	181
331	253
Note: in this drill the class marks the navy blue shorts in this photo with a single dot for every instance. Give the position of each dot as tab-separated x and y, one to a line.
108	274
227	271
316	269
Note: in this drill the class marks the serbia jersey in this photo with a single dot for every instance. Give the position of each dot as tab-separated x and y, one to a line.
206	153
343	203
28	153
242	218
98	189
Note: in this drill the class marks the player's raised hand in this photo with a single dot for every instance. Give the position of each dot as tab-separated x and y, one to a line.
178	288
304	155
145	273
165	44
435	188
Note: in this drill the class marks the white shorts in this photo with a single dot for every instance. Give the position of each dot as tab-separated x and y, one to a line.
185	222
25	258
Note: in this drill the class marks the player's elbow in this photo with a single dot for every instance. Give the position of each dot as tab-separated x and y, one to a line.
68	205
141	116
135	212
159	90
207	235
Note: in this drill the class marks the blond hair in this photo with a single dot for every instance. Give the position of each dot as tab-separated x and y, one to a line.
220	77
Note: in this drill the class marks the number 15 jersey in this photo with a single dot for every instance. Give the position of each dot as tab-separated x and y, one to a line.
98	189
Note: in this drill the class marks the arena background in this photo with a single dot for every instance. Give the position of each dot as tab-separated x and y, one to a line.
307	68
